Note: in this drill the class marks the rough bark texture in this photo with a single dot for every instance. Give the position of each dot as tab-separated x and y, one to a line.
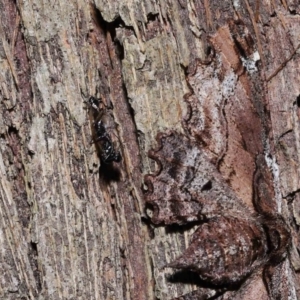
223	73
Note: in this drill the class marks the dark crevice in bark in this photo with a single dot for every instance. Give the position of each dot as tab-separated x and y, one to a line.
298	101
176	228
152	17
284	134
12	131
113	90
110	27
33	258
149	226
192	277
290	197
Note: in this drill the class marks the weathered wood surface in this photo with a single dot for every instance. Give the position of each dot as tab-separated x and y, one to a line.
68	232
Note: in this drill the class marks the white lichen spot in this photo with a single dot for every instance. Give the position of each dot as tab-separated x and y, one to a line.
272	164
255	56
232	250
236	4
37	143
250	63
191	219
149	213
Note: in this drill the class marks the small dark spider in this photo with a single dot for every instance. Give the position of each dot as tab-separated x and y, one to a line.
102	137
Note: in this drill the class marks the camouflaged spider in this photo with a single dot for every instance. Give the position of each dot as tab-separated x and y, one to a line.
101	135
221	174
231	242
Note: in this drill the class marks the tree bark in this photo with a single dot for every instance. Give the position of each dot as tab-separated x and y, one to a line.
74	228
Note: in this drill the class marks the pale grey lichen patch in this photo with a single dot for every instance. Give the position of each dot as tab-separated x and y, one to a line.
228	85
42	80
108	9
2	166
37	142
47	22
236	4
